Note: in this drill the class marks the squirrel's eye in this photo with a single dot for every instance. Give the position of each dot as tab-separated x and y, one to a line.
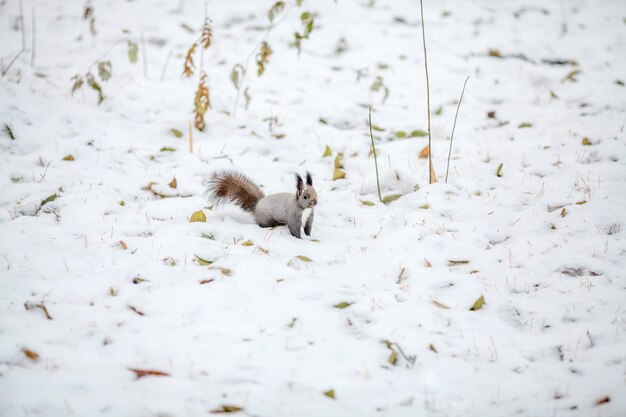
306	197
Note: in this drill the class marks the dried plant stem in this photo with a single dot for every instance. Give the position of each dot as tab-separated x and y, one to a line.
5	70
32	49
22	25
253	52
380	197
190	138
167	60
144	57
454	127
430	148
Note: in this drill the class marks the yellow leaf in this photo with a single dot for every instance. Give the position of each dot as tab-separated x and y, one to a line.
339	160
338	174
393	357
198	216
478	304
33	356
327	152
247	243
330	393
304	258
367	203
227	409
392	197
69	157
176	133
342	305
586	141
495	53
202	261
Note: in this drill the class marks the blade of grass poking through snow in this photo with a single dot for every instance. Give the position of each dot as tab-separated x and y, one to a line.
431	177
380	197
454	127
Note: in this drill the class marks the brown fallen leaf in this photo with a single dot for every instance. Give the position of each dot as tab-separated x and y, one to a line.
123	245
227	409
393	357
206	281
140	373
69	157
33	356
603	400
457	262
424	152
173	183
149	186
563	212
586	141
440	305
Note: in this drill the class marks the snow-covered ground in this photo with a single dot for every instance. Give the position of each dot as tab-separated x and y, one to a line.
376	310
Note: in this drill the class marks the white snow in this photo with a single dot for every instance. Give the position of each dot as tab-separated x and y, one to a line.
115	265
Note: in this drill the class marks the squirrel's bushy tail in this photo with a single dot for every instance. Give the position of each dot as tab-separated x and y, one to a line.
235	187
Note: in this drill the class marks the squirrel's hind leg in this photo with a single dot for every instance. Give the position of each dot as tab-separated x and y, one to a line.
269	223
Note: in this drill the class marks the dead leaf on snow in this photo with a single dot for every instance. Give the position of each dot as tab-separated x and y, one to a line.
140	373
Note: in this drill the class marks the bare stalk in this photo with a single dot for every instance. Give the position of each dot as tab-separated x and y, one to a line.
167	60
430	148
454	127
144	57
190	138
32	52
380	197
5	70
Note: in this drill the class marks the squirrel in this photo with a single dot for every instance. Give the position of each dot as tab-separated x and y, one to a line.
282	209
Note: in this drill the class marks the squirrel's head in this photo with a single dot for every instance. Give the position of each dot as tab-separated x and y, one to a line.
305	196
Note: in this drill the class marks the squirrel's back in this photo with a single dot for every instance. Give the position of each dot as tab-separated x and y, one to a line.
237	188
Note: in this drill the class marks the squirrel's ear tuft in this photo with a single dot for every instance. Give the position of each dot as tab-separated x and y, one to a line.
309	179
299	185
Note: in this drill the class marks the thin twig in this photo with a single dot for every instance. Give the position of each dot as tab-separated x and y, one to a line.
45	172
190	138
32	52
22	25
252	53
104	54
145	57
380	197
430	148
4	71
454	127
167	60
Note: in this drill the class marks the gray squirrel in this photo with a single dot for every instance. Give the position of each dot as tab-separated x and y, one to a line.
291	210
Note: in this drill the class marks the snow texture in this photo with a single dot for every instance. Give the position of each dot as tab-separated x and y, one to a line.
375	305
